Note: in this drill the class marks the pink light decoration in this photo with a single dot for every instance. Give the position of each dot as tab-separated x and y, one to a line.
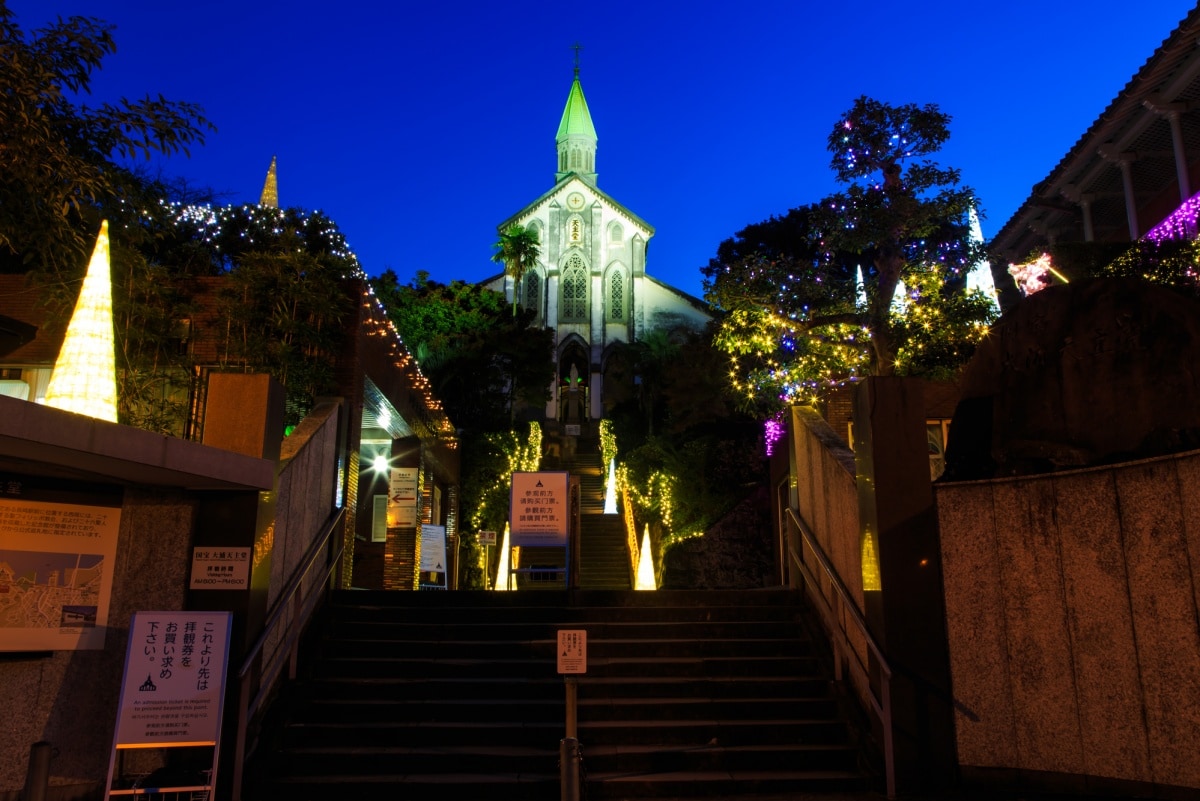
1181	224
773	432
1032	277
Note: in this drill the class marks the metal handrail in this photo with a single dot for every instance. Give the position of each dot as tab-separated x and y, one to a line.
249	704
881	706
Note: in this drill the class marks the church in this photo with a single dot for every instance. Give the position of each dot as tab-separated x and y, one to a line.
590	283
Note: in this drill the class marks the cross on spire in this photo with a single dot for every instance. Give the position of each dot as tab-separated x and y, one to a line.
577	47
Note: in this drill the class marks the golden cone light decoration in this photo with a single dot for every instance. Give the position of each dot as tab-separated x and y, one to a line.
84	379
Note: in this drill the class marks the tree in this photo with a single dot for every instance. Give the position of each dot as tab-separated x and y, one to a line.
797	317
517	249
481	362
60	160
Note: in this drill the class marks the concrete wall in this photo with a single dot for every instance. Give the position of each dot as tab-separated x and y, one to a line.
1072	619
307	487
69	698
826	500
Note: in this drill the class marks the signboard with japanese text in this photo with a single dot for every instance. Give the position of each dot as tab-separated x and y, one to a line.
433	555
487	537
174	679
402	497
572	651
539	513
56	569
216	568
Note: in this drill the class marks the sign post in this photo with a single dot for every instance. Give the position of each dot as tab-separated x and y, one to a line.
487	539
433	557
172	698
572	660
540	512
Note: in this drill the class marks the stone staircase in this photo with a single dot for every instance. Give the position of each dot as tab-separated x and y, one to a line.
455	695
603	553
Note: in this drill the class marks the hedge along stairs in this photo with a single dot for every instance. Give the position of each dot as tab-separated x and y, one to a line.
456	696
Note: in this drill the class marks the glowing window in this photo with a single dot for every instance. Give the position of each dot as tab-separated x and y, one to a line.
616	296
533	289
574	290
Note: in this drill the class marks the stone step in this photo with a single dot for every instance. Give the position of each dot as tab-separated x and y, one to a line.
686	694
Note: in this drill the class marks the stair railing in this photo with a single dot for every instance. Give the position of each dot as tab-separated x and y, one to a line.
836	623
258	675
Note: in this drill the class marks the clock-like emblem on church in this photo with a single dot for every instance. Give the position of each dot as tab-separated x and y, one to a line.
575	201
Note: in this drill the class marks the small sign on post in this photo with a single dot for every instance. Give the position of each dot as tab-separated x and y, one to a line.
487	537
572	651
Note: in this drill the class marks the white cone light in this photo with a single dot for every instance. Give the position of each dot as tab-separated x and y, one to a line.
503	574
645	569
610	493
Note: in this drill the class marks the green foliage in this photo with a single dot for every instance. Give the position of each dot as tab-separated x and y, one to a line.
517	249
281	310
1170	262
682	486
488	463
797	319
482	362
60	160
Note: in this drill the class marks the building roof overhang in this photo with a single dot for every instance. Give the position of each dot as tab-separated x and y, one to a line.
42	441
1135	128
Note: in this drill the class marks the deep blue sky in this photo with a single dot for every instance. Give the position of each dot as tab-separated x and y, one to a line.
419	126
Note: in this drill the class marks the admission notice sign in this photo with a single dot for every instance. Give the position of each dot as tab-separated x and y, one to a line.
539	511
174	679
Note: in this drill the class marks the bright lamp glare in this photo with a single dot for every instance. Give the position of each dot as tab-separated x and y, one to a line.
380	463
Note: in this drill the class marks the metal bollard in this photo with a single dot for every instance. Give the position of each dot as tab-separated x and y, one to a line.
570	763
37	779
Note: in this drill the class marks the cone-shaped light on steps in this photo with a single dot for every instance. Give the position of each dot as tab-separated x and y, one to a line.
610	491
502	570
84	379
645	571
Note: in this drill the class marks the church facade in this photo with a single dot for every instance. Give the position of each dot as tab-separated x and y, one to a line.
590	283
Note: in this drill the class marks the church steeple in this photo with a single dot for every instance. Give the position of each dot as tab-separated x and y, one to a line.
576	139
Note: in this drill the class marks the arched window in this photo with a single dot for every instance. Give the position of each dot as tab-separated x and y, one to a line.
533	291
574	290
615	232
616	295
574	159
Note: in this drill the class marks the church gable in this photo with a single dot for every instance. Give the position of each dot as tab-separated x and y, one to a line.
590	283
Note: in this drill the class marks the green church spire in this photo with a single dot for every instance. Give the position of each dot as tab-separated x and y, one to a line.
576	139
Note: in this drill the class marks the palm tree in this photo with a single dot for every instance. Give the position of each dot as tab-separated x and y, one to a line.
517	249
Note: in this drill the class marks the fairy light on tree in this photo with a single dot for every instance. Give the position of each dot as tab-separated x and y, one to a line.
809	296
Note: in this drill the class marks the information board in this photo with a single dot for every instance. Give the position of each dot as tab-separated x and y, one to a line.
56	573
433	555
174	679
539	512
402	497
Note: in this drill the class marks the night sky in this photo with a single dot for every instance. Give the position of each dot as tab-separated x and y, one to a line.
419	127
